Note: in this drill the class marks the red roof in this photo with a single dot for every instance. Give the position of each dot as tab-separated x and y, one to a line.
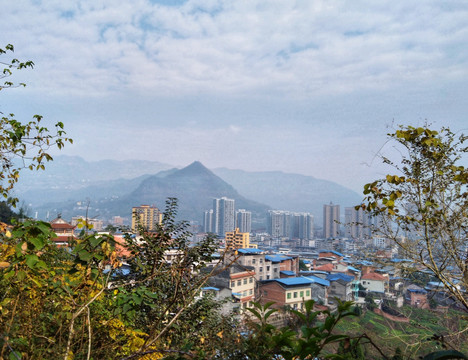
373	276
326	267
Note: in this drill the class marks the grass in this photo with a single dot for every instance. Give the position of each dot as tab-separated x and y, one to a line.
414	338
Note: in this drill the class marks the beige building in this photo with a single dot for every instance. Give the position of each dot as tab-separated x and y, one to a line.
145	216
237	240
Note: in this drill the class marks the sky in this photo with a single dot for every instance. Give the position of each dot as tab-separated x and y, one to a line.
309	87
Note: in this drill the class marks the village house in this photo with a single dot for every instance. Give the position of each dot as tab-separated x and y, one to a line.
341	287
375	283
291	292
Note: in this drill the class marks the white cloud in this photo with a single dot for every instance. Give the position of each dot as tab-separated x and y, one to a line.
305	48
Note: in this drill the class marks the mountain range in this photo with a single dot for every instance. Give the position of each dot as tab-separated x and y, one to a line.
71	186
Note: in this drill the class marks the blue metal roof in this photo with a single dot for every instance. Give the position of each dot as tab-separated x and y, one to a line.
305	272
249	251
294	281
353	269
210	288
418	291
287	272
401	260
318	280
277	258
335	277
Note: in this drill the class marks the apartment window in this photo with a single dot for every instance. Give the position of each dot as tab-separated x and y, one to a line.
307	292
268	277
275	270
268	268
251	280
301	294
288	295
261	269
302	306
233	283
245	281
295	306
265	293
253	261
261	261
250	292
295	294
239	282
244	293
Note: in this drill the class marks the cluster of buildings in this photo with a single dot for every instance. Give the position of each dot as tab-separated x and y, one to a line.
255	271
223	218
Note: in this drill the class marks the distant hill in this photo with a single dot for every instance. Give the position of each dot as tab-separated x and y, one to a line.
71	185
73	172
195	186
292	192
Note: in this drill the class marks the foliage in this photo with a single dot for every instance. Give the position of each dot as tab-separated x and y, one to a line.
424	207
314	338
78	302
23	145
6	214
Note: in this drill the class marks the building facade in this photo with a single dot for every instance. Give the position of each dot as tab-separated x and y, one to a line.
331	221
145	216
223	216
244	220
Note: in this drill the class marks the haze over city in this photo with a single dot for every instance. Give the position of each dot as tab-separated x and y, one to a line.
307	87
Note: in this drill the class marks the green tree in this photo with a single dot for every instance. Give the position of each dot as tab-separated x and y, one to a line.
79	303
423	206
23	145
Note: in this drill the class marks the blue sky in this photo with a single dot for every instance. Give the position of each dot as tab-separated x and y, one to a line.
309	87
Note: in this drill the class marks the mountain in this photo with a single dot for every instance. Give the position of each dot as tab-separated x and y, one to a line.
195	186
72	186
291	192
73	172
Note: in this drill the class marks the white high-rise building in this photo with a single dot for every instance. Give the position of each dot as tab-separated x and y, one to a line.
223	216
357	224
331	221
208	221
244	220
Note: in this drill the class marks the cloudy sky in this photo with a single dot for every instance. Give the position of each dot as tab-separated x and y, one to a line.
309	87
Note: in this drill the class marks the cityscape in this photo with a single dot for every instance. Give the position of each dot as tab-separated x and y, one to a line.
233	180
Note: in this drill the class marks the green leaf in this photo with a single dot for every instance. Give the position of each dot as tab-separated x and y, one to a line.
445	355
85	255
31	260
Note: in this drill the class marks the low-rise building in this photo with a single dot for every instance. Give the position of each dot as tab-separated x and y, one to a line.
291	292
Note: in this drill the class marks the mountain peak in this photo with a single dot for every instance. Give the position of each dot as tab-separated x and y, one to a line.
195	168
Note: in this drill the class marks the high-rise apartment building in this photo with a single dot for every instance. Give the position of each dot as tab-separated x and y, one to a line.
357	224
244	220
223	216
285	224
145	216
331	221
208	221
302	226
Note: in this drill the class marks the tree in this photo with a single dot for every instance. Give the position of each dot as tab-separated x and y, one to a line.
78	302
423	206
23	145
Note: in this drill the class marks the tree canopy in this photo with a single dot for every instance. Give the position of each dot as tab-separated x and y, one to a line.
23	144
423	206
